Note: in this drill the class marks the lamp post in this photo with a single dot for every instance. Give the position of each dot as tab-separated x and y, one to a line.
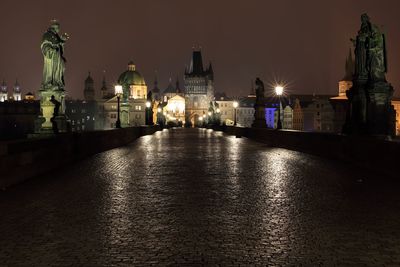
118	93
279	92
235	105
148	119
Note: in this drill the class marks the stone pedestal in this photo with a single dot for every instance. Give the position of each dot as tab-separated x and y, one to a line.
47	109
370	109
124	116
259	115
380	112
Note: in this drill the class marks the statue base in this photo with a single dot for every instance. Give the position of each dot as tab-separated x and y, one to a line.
381	116
370	110
259	116
47	109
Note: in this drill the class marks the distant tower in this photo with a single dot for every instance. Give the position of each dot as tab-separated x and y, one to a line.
156	90
104	89
178	87
346	83
3	92
17	91
88	92
199	88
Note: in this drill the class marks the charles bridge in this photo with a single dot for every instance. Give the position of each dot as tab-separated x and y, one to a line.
192	197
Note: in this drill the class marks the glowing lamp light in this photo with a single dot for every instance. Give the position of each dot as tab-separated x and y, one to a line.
159	110
148	104
118	89
235	104
279	90
218	110
209	113
201	118
204	116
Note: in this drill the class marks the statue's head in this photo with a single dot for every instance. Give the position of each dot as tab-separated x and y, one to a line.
55	26
364	18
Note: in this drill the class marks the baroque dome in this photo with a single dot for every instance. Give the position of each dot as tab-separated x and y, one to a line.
131	76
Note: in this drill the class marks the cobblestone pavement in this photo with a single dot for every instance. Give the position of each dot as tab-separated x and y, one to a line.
192	197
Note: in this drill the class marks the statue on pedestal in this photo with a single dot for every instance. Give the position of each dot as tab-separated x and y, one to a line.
259	106
52	91
259	89
370	110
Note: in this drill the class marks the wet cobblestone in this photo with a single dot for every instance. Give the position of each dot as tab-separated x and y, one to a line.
193	197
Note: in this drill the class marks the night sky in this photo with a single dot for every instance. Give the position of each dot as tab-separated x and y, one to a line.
301	42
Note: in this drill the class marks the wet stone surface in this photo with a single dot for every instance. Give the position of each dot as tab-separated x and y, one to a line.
193	197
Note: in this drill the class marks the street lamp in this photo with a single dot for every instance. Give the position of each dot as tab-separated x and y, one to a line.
148	113
235	105
118	93
279	91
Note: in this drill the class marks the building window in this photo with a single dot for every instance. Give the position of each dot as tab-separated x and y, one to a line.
138	108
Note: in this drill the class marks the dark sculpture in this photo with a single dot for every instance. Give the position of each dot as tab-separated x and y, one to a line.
259	88
259	106
52	47
370	110
53	120
56	104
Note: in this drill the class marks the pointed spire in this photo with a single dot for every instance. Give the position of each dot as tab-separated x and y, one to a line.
349	67
156	79
178	89
16	86
89	78
4	86
210	68
196	64
155	90
104	83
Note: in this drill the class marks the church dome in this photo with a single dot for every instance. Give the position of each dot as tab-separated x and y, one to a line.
131	76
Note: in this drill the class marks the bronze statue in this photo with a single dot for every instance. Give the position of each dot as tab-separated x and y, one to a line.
370	51
370	110
52	47
259	88
57	105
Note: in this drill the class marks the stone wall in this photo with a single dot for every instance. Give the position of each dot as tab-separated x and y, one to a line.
377	155
24	159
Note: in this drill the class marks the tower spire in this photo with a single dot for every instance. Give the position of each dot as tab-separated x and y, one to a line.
17	91
155	79
104	89
88	91
178	88
349	67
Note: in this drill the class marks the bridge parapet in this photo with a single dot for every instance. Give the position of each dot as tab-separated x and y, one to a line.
24	159
381	156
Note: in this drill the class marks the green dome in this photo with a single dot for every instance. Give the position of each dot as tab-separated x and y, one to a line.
131	77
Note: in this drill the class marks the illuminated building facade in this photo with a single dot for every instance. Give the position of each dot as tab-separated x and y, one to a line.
226	109
3	92
175	109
